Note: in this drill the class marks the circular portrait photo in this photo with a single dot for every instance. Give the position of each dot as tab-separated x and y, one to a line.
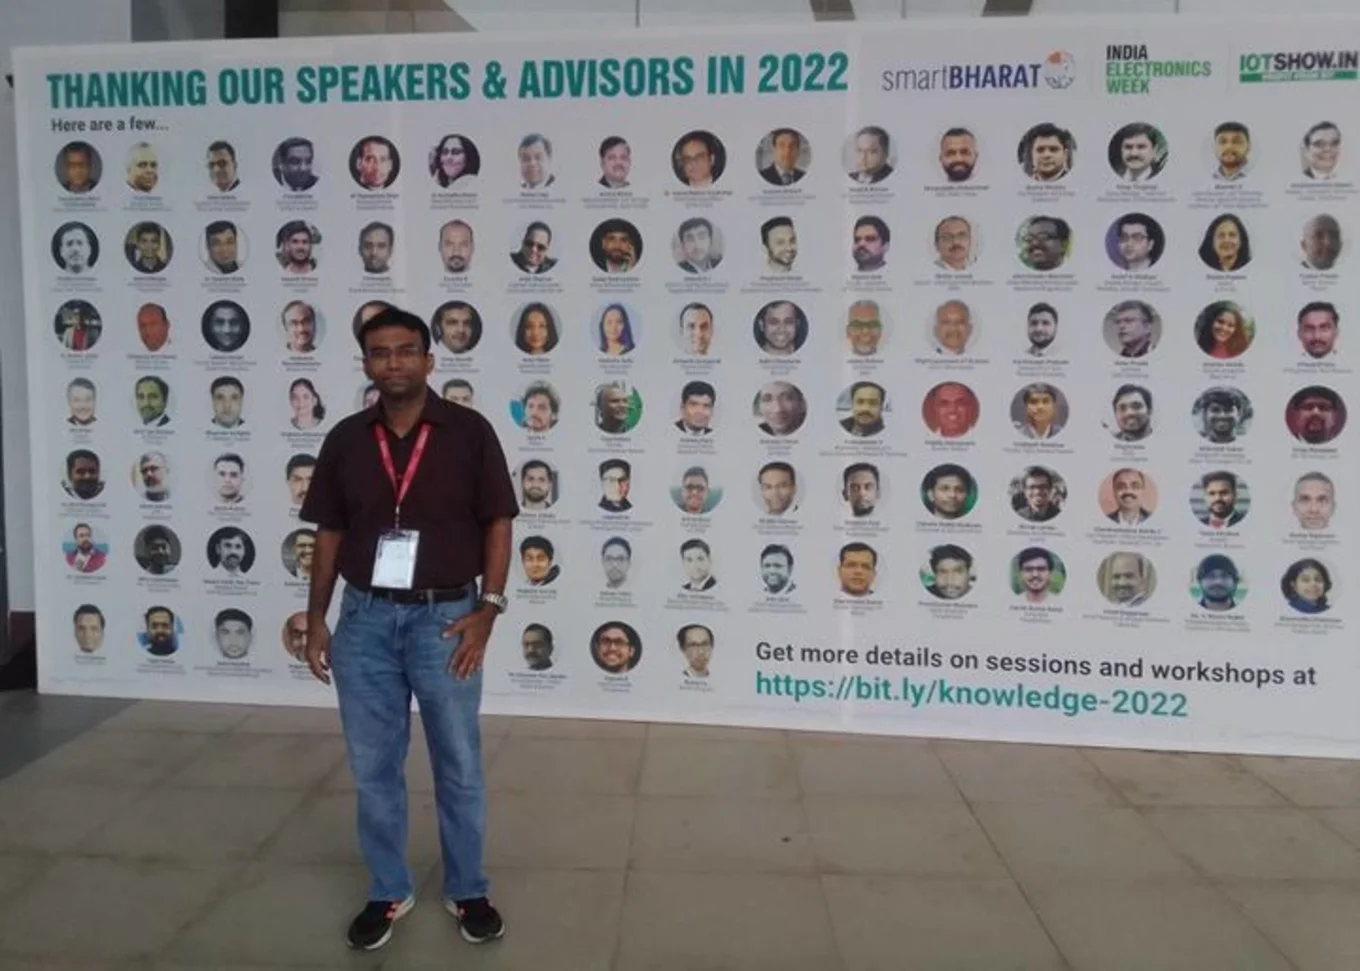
293	164
151	477
867	328
1039	412
776	489
698	159
1132	328
78	325
1320	247
1037	494
227	395
75	248
615	647
294	636
616	481
1043	243
367	312
1315	415
949	491
616	246
615	330
81	402
694	329
535	158
697	246
948	572
1128	497
861	408
454	159
1232	151
1135	242
779	245
297	475
536	645
957	244
1226	246
231	551
1137	152
696	565
1126	579
953	328
143	168
869	156
1318	327
78	167
374	163
306	412
1320	151
233	633
456	327
1131	410
783	156
86	549
456	246
367	396
536	329
1217	584
161	632
1224	330
950	410
1036	574
1041	328
153	326
538	561
223	248
780	328
227	480
696	644
870	240
88	623
1307	586
1047	153
618	407
157	550
1314	501
532	252
83	478
377	241
863	489
696	495
151	398
302	326
1222	415
616	163
537	409
220	161
958	155
225	326
457	390
857	566
538	485
148	247
297	247
296	551
1220	499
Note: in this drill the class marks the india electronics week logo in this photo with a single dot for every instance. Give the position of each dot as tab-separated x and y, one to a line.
1130	70
1057	71
1298	66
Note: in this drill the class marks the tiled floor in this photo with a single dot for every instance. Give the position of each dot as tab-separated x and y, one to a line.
174	837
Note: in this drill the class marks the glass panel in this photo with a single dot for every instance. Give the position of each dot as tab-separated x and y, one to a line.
546	14
708	13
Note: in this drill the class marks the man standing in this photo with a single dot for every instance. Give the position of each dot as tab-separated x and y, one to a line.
413	502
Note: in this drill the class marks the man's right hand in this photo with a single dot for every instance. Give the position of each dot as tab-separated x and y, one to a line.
319	649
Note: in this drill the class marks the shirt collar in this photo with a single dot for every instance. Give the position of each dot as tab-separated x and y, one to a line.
433	412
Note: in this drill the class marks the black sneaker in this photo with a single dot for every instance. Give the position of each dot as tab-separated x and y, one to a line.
478	921
373	927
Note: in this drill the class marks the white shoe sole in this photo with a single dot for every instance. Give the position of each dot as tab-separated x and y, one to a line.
404	908
452	908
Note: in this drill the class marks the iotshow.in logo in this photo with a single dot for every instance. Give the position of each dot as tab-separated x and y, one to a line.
1057	72
1274	68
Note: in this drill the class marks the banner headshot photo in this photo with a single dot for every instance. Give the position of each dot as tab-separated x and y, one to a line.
454	159
1128	497
1320	152
1137	152
783	157
699	159
78	325
220	161
75	248
1047	153
456	327
615	647
78	168
293	165
1126	579
374	163
1226	246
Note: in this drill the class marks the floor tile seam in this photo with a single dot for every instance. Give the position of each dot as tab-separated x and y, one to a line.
616	955
1241	764
1316	816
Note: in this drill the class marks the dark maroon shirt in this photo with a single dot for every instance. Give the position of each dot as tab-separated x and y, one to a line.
461	485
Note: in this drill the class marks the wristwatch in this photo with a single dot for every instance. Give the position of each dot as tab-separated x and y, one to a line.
496	600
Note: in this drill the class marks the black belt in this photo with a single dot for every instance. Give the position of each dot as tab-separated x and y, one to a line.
423	596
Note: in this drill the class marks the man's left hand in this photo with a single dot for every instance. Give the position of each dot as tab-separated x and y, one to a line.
474	630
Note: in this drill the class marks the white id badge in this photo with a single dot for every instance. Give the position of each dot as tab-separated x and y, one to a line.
394	567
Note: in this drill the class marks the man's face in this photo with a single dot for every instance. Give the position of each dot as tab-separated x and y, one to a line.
776	491
1323	150
230	477
375	165
868	246
949	494
226	402
697	646
1232	148
227	327
861	492
1131	413
1128	490
1221	421
148	246
1322	242
534	163
1218	585
301	326
221	169
1036	576
304	547
953	327
233	639
951	578
160	627
459	395
616	163
75	250
1220	496
1048	158
782	245
697	411
866	408
954	241
84	539
231	552
1131	328
1041	328
85	478
780	324
77	171
786	148
1038	493
694	492
536	563
150	400
299	481
536	646
614	649
1043	244
774	571
533	249
455	247
1137	152
1135	243
870	153
152	328
614	485
297	248
618	247
297	166
222	248
954	409
375	249
697	243
536	484
89	633
296	635
697	326
143	170
616	560
864	329
696	161
780	407
857	572
697	564
614	405
1317	419
958	157
159	552
1040	409
1313	503
81	402
458	329
1317	332
153	472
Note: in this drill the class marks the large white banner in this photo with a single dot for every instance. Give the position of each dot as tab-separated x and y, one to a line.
987	381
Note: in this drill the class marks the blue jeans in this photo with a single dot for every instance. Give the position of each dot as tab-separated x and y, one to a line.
381	654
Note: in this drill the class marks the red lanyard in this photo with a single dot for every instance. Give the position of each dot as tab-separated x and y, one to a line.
403	485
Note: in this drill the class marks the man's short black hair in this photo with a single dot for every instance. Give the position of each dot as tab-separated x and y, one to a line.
394	317
233	613
537	543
